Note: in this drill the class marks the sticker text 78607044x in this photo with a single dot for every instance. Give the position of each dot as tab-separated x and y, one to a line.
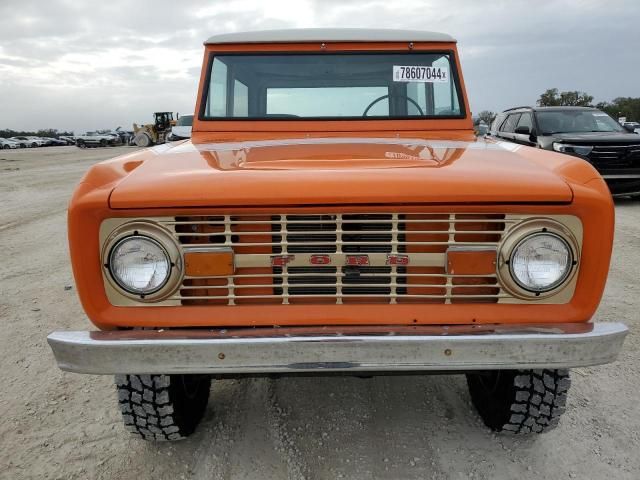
417	73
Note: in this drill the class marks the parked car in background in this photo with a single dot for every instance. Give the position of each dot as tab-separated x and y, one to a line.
21	141
54	142
6	144
125	135
29	141
94	139
182	129
583	132
482	129
632	126
69	140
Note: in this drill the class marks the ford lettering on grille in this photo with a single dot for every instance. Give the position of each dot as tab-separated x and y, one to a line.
340	258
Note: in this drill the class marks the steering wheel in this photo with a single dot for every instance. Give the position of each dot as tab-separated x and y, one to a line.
366	110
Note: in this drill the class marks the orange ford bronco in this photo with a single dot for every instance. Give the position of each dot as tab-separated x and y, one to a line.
334	212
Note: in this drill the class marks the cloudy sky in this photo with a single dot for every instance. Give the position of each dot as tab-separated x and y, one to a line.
84	64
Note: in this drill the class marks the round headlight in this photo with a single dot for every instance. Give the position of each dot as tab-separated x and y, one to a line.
540	262
139	264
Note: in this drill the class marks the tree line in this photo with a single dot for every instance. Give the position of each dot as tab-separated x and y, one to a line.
628	107
47	132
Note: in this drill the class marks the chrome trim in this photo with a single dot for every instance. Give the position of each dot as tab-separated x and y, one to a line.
618	176
411	349
630	194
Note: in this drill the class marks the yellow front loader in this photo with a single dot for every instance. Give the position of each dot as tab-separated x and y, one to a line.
154	133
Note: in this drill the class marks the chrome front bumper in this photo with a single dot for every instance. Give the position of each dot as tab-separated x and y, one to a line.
338	349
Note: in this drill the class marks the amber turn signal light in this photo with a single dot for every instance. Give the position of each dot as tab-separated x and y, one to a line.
208	262
470	261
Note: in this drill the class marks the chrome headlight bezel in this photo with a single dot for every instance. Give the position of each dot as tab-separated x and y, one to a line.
525	231
160	237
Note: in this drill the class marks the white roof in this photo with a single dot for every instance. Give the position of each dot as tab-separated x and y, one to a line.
299	35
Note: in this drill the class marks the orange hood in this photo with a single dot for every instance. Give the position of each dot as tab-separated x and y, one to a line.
322	171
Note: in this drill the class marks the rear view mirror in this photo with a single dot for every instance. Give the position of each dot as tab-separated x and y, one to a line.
523	130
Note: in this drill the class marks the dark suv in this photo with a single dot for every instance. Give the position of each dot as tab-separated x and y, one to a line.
580	131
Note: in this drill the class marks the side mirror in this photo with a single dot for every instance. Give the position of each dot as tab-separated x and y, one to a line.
629	128
523	130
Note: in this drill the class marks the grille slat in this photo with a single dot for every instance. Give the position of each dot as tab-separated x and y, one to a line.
615	156
422	238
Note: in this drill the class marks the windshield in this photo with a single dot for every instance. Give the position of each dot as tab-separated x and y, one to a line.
576	121
340	85
185	121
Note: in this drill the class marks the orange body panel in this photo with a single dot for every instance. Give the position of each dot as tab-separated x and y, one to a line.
425	166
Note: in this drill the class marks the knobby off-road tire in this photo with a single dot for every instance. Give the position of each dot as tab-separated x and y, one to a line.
520	401
162	407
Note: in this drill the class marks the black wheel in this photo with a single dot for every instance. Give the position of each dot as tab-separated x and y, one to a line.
162	407
520	401
103	142
34	145
6	147
80	143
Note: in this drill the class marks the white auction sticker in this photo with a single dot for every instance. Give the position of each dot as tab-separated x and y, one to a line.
420	74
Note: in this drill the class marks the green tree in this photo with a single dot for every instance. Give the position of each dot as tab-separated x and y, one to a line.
576	99
486	116
47	132
622	107
551	98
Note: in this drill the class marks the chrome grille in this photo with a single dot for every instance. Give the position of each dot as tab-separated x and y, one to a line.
421	237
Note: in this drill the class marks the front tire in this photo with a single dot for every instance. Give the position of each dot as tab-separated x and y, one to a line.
162	407
142	140
520	401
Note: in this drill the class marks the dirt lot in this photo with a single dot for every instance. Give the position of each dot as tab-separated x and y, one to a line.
61	425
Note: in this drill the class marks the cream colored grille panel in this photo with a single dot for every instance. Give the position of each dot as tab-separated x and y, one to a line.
422	238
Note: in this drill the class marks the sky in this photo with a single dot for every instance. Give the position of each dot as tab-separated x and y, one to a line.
84	64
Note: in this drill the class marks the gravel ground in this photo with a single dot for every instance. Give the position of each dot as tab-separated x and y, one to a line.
62	425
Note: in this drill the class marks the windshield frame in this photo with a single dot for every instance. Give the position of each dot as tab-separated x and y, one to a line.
454	73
